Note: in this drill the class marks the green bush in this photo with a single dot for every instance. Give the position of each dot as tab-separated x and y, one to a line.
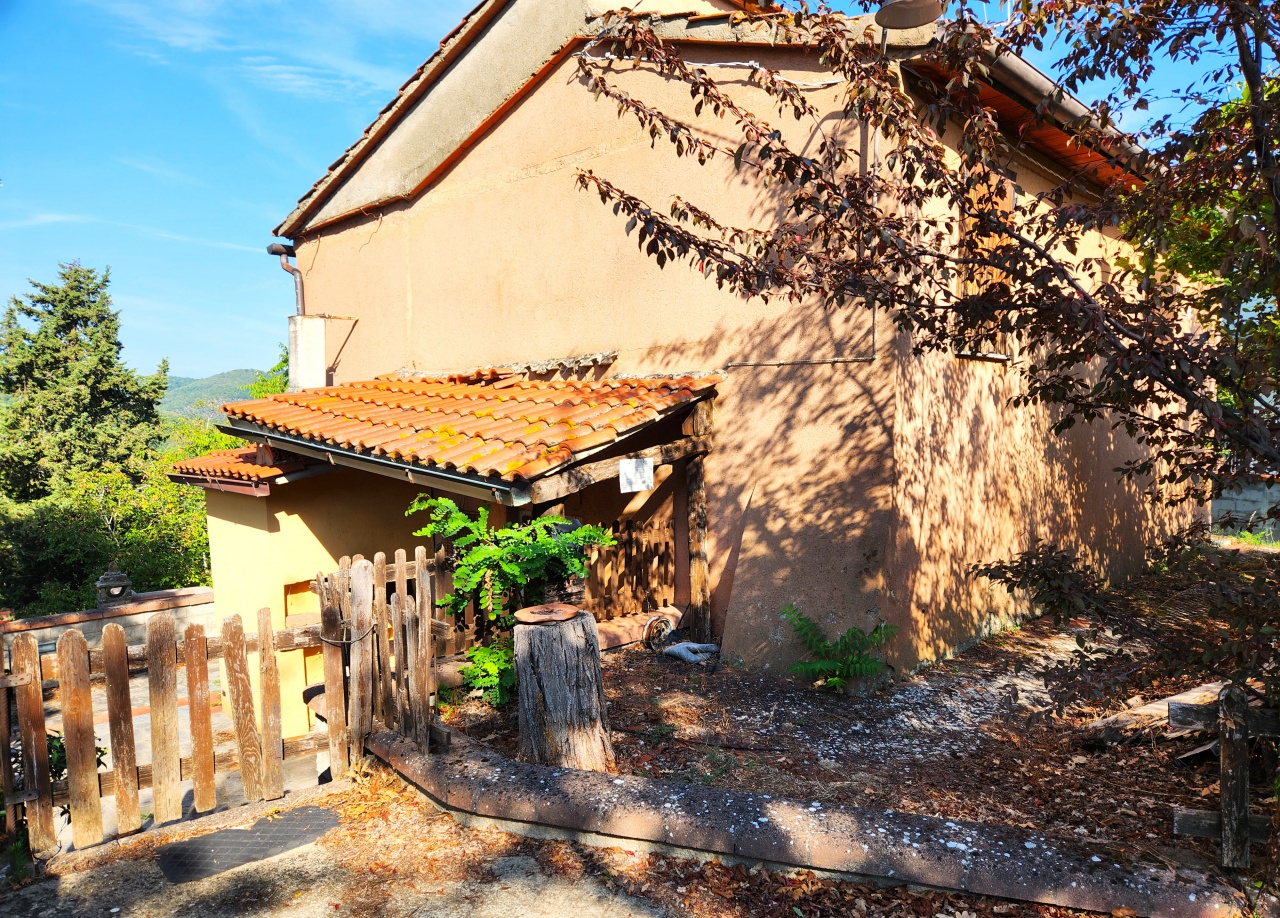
511	564
54	548
851	656
492	671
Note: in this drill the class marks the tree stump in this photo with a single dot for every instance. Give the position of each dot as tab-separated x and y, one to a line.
563	721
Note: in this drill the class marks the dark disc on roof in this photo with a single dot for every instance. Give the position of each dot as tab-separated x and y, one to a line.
546	614
909	14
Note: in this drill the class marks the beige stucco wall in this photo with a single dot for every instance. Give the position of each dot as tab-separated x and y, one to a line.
259	546
855	489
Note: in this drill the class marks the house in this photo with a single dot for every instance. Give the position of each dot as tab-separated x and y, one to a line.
474	325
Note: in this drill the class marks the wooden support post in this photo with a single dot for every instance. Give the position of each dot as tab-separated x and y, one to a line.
236	666
124	756
335	689
35	747
563	720
1234	779
698	424
400	624
162	679
77	728
360	713
196	653
272	738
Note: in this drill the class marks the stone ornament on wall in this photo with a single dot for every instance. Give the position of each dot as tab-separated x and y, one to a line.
113	587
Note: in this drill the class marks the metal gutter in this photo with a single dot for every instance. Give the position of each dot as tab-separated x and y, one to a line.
486	489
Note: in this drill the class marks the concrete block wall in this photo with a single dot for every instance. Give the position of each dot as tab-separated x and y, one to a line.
1251	503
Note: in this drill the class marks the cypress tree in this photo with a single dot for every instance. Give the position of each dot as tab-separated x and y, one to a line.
69	404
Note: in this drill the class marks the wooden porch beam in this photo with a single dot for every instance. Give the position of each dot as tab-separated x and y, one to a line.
569	481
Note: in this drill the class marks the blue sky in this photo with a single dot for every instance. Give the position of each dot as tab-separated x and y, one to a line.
166	139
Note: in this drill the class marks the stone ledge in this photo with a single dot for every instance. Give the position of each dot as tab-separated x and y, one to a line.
879	845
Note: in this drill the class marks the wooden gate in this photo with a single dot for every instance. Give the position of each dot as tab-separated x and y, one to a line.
635	576
259	749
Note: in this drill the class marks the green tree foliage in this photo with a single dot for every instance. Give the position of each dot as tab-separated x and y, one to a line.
275	380
71	406
84	456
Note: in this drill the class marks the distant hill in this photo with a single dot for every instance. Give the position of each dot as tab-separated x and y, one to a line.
204	398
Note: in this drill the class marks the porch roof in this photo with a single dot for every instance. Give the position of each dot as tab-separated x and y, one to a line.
483	433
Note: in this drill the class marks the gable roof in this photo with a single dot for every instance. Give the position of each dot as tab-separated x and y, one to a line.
492	431
526	42
455	96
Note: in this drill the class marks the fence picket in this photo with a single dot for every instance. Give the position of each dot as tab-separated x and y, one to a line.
335	692
124	756
6	769
35	748
360	712
236	667
383	705
397	624
425	652
77	730
162	679
402	590
196	654
272	738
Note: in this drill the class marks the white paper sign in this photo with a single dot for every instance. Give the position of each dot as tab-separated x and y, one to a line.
635	475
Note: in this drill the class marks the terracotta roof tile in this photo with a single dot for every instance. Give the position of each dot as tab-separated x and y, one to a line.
236	464
512	430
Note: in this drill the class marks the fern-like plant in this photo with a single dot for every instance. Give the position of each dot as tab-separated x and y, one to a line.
853	655
509	563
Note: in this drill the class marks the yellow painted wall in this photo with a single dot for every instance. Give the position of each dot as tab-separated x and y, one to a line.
259	546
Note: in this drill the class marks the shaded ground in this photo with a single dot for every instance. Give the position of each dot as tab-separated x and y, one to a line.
395	854
948	742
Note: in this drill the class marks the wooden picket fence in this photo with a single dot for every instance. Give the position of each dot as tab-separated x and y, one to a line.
385	617
259	754
637	575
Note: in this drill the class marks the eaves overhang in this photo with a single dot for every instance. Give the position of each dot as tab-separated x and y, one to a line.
480	487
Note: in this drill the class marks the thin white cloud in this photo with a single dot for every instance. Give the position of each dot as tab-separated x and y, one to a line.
160	170
50	219
44	220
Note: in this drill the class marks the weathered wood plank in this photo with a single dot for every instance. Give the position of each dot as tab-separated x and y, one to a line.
35	748
402	575
197	659
335	690
77	732
425	652
286	639
1258	721
162	680
124	755
272	737
6	769
573	480
361	691
1233	745
235	666
223	762
384	705
1208	824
